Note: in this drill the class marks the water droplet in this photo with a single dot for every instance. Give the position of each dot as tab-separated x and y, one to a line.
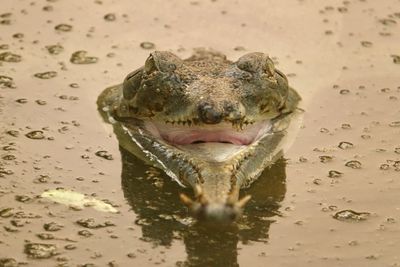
9	157
346	126
79	57
397	150
344	91
303	159
52	226
110	17
35	135
354	164
351	215
18	35
23	198
63	28
104	154
10	57
394	124
147	45
40	251
396	59
384	167
55	49
41	102
6	82
353	243
325	159
14	133
366	44
345	145
46	75
334	174
388	22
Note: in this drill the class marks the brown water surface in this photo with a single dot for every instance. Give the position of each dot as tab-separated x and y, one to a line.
333	201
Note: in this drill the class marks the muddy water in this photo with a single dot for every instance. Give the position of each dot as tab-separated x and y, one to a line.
333	201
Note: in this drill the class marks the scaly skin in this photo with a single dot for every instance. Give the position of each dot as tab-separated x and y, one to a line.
179	115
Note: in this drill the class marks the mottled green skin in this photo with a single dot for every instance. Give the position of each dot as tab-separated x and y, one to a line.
205	89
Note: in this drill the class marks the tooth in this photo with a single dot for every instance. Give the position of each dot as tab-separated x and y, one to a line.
198	190
243	201
186	200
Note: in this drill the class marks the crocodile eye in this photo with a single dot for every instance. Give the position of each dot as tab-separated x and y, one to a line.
132	83
162	61
256	63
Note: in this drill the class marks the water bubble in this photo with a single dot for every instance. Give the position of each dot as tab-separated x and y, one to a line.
18	35
104	154
344	91
325	159
45	236
9	262
10	57
41	102
92	224
52	226
354	164
40	251
14	133
345	145
110	17
9	157
388	22
346	126
384	167
35	135
147	45
351	215
22	100
23	198
6	212
334	174
79	57
55	49
303	159
70	247
46	75
63	27
394	124
47	8
366	44
85	233
396	59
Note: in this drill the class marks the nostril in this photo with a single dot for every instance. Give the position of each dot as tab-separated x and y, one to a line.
218	213
209	115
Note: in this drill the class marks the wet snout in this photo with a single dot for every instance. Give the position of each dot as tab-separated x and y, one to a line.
215	211
213	112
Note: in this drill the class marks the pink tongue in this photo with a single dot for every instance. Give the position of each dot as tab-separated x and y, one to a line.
191	137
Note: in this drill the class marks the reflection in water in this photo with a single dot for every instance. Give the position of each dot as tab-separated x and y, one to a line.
163	218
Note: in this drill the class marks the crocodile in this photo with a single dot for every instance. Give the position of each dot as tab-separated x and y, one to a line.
209	123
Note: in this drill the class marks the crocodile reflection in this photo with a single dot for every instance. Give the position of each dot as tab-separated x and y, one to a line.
154	198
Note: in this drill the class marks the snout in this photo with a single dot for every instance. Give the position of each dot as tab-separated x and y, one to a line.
217	212
205	211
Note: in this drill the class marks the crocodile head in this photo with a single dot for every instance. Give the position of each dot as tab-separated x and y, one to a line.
209	123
